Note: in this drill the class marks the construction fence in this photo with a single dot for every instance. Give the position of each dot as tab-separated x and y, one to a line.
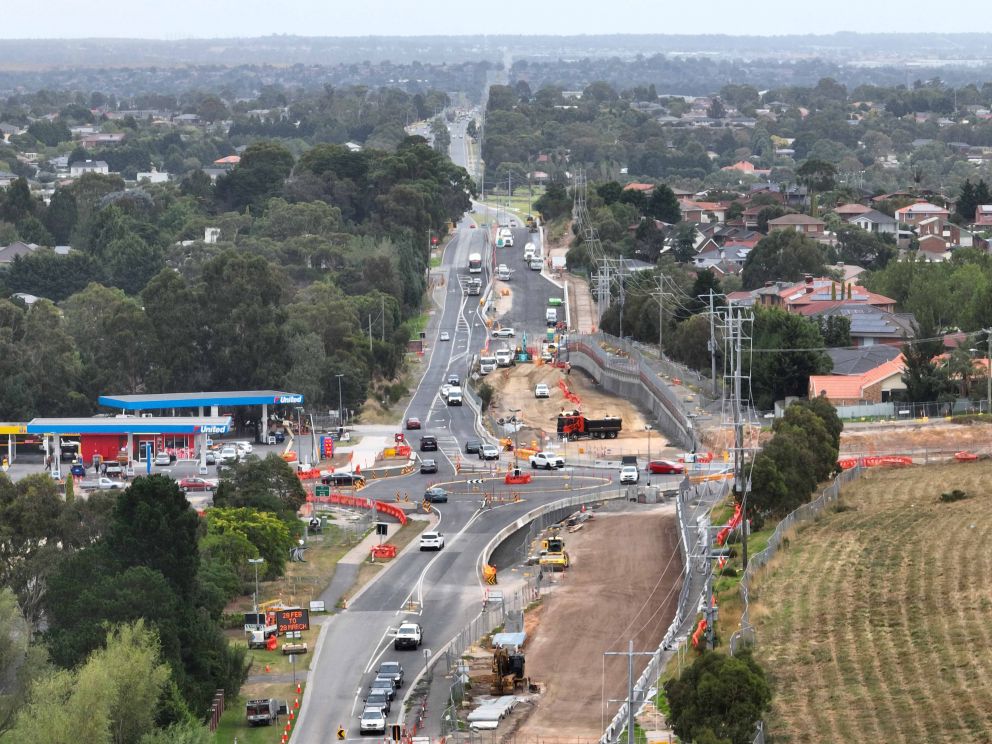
892	411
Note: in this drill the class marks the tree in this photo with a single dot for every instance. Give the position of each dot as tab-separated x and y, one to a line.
264	530
863	248
269	484
132	262
723	695
663	205
771	212
784	255
781	365
17	203
836	330
261	173
554	202
21	662
716	109
925	381
967	203
441	136
111	698
684	242
61	215
609	192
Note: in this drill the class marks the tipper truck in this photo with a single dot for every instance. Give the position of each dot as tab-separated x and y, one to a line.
575	425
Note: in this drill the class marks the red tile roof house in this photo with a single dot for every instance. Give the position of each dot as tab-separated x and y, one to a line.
743	166
983	215
919	211
644	188
874	386
844	211
801	223
800	297
703	211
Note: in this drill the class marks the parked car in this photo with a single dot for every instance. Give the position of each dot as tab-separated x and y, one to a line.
428	466
163	458
391	669
472	446
503	333
431	541
541	391
436	495
186	485
211	457
412	423
78	469
113	469
428	443
547	460
629	474
664	467
228	453
489	452
444	336
373	721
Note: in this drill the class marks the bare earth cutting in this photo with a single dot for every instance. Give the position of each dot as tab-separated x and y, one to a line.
873	624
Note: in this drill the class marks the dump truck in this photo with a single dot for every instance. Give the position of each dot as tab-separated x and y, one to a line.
574	425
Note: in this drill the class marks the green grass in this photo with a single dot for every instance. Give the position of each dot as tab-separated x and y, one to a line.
418	324
436	262
233	724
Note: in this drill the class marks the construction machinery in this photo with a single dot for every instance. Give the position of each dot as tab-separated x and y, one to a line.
575	425
508	672
553	554
523	353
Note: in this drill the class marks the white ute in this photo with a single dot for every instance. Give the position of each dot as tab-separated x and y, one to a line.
546	460
408	635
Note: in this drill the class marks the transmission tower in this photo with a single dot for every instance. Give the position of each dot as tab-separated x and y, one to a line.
609	271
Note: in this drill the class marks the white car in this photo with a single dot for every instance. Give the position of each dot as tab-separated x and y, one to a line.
228	453
372	721
431	541
444	336
244	448
541	391
489	452
503	333
546	460
162	458
629	474
445	389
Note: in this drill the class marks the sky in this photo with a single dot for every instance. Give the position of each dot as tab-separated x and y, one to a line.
174	19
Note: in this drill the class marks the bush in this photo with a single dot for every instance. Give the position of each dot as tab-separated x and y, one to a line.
956	495
486	393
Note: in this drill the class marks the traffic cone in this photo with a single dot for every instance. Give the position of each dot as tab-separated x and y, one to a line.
296	703
291	715
267	669
299	689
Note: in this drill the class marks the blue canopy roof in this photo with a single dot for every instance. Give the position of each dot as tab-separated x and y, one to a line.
159	401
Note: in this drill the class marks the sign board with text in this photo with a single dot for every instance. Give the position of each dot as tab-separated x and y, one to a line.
291	621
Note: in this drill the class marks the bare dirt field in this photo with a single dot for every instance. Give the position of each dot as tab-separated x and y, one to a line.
515	389
622	585
873	624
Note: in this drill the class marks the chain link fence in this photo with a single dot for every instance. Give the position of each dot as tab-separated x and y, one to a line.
893	411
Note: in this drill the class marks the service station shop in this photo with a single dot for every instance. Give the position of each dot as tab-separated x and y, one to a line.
136	434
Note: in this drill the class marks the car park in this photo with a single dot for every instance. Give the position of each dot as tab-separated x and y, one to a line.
162	458
373	721
629	474
444	336
428	466
412	423
378	700
428	443
503	333
664	467
188	485
547	460
472	446
431	541
489	452
541	391
391	669
436	495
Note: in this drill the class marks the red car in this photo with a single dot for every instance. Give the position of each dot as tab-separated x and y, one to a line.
195	484
413	423
663	467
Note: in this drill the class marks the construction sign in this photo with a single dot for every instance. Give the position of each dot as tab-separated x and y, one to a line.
489	574
292	620
427	505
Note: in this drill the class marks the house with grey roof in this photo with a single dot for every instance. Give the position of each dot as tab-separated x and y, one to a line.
19	248
88	166
874	221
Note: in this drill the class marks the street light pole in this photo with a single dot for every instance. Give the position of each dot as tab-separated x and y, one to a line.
255	562
340	403
647	428
516	438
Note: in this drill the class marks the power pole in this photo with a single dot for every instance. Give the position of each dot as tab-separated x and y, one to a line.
630	653
735	338
711	296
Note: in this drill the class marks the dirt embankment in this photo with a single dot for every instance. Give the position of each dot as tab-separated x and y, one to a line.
623	584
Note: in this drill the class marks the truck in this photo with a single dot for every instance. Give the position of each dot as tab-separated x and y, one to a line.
507	235
475	263
487	363
408	635
531	223
574	425
504	357
103	484
262	712
474	286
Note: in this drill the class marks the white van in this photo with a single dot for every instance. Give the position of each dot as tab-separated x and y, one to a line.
486	364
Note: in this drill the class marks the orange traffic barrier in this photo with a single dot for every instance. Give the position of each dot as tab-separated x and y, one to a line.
385	551
517	479
965	456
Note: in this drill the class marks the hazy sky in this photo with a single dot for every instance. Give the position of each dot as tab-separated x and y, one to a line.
220	18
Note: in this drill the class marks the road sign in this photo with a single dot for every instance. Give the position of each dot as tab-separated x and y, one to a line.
341	733
322	491
475	481
426	505
397	731
381	528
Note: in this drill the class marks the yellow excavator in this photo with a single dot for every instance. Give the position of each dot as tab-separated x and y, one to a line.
553	554
508	672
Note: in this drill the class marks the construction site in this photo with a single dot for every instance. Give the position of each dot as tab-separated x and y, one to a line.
542	681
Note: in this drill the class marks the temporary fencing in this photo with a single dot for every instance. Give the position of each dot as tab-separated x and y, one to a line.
360	502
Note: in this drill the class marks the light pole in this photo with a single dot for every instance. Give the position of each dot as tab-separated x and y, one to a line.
340	403
255	562
647	428
516	437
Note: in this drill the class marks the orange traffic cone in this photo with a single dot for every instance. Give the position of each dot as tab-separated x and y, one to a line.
299	689
267	669
296	703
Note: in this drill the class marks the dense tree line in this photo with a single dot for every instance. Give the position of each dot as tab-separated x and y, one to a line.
311	253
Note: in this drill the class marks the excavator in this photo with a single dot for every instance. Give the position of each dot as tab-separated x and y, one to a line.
287	453
553	554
